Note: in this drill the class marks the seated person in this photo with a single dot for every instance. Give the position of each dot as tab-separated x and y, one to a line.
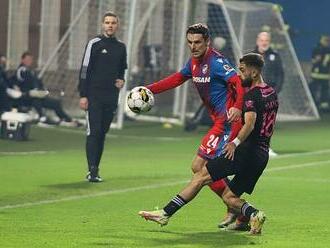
27	81
7	94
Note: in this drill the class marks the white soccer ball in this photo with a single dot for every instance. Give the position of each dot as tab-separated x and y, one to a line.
140	99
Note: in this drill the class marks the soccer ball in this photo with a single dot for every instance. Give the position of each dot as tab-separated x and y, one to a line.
140	99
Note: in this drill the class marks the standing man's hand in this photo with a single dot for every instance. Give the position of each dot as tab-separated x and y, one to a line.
83	103
234	114
119	83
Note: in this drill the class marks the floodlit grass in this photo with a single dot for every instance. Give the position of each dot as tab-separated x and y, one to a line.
45	202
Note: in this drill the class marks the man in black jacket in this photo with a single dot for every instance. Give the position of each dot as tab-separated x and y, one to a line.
272	72
101	77
321	73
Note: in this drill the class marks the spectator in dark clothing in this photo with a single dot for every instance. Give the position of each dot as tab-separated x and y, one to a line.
7	94
28	82
272	72
321	73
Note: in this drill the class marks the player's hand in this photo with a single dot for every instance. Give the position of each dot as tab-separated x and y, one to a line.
229	150
83	103
119	83
234	114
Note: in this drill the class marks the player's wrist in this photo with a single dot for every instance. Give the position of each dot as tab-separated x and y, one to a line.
236	141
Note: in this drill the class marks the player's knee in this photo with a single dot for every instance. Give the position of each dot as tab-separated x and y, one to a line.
196	166
202	177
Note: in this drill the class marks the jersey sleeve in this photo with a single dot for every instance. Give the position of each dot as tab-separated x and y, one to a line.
171	81
167	83
224	69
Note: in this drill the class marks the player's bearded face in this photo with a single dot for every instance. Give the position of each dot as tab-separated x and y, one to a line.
246	75
110	25
197	45
247	82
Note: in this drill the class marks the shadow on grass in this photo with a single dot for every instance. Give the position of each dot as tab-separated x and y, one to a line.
74	185
163	238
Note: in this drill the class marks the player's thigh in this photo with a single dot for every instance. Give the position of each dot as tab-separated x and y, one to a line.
198	163
249	173
94	118
220	168
109	111
213	142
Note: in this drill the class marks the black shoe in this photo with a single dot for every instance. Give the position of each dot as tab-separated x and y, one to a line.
93	179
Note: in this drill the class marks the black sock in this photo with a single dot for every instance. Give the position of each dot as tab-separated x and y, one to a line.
247	209
174	205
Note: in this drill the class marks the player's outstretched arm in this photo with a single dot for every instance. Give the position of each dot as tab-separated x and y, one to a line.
167	83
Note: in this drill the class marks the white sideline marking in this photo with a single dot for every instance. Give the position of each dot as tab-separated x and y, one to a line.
162	138
295	166
103	193
297	154
310	180
26	153
147	187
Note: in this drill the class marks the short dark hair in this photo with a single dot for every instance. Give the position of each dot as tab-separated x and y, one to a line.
199	28
25	54
254	60
110	13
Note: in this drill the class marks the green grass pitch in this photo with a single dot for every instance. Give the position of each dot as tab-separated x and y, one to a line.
45	202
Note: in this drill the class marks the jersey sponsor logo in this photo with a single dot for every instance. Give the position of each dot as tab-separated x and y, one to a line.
272	57
201	79
104	51
205	68
227	68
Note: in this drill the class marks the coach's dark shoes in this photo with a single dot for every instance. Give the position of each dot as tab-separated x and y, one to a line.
93	179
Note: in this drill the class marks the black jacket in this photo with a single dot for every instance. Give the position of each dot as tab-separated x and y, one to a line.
26	79
4	84
321	63
272	72
104	61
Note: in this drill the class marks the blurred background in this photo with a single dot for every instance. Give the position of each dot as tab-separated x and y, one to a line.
56	32
45	200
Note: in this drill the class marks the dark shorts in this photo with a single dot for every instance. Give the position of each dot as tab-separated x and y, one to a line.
247	167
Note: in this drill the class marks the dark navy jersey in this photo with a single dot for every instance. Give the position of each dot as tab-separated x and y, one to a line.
263	101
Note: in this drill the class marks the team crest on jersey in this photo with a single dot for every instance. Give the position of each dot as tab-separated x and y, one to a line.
249	104
205	68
